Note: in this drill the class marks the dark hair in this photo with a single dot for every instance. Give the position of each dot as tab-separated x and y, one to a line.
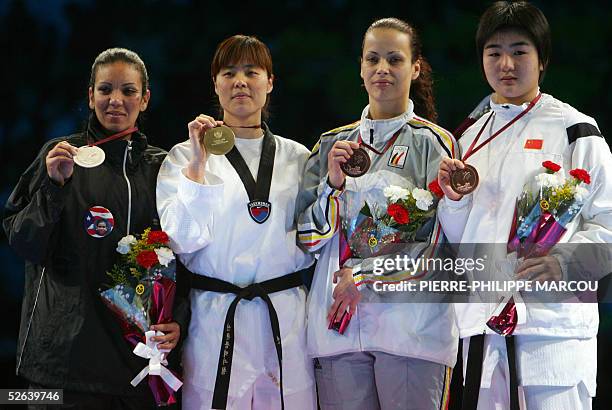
422	88
113	55
247	49
520	16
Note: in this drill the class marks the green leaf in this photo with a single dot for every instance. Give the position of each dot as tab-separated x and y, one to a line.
366	210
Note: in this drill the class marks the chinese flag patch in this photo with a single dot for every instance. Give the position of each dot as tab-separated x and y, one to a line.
534	144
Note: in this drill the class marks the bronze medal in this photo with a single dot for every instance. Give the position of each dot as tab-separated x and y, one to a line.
358	164
219	140
464	181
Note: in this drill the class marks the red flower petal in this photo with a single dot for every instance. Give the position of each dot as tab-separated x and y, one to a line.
581	174
399	213
435	189
146	259
551	166
157	237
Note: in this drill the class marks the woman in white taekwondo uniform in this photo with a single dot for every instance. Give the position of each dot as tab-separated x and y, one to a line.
231	219
555	345
392	355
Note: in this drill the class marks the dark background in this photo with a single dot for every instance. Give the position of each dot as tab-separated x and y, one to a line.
48	48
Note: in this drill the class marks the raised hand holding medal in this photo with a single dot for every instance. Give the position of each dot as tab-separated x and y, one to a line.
464	181
337	159
91	155
359	161
60	163
357	164
219	140
61	158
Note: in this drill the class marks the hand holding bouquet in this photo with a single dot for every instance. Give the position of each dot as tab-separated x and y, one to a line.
142	294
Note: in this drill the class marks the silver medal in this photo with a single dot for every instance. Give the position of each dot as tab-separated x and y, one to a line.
89	157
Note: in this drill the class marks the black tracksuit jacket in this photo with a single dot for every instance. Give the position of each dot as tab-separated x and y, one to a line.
68	338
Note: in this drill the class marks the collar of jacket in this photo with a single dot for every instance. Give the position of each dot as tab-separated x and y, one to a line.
508	111
383	129
115	150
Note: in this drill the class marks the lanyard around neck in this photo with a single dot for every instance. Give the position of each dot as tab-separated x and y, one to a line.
387	146
471	150
114	136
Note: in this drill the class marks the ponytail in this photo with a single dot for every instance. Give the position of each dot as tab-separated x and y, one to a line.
421	93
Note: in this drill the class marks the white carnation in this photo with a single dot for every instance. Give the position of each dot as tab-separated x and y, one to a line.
395	193
423	198
581	193
545	180
164	255
125	244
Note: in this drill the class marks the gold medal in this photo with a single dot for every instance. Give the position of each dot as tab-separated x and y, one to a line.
544	205
219	140
140	289
463	181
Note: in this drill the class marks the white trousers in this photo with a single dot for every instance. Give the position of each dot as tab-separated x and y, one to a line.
496	395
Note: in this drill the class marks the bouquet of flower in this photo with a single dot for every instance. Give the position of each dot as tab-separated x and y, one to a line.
382	230
543	210
142	294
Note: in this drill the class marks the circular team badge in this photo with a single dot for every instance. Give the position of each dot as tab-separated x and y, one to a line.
219	140
463	181
99	222
358	164
89	157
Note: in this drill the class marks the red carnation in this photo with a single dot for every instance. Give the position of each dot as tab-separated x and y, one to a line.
551	166
157	237
146	259
581	175
435	189
399	213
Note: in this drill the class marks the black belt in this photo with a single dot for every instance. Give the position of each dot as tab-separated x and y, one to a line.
261	290
473	373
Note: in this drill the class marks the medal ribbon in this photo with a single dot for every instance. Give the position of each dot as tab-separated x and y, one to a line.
256	126
471	150
259	190
114	136
387	146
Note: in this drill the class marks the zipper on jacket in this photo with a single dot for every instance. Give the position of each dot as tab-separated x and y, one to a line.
371	136
25	339
128	150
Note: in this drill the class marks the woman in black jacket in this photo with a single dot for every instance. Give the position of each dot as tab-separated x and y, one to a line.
68	338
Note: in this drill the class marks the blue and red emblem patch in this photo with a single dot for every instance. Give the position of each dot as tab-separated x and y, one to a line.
259	210
99	222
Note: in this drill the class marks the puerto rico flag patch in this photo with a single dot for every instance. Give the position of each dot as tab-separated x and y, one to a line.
259	210
398	156
99	222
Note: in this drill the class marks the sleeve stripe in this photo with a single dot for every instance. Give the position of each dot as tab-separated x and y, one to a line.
440	134
582	129
311	237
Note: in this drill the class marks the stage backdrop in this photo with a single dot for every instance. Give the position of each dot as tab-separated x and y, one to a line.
48	48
